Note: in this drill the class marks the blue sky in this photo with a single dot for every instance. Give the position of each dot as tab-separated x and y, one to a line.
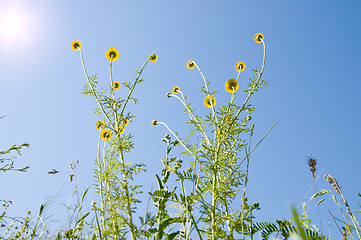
313	68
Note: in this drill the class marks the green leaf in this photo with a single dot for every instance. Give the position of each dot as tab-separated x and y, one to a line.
159	182
165	223
320	193
83	217
300	229
172	236
319	202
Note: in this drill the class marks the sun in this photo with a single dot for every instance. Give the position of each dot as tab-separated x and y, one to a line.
11	25
14	24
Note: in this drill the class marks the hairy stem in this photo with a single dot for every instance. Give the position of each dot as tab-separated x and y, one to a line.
208	94
258	79
129	201
132	88
93	91
213	213
112	91
191	115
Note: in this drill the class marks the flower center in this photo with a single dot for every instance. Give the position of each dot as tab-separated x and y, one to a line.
112	54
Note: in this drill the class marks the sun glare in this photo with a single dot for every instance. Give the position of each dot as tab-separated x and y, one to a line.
14	24
11	26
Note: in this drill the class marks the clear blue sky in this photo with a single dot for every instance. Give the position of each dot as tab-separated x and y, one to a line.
313	68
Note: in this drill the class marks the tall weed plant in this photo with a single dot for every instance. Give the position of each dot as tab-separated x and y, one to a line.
201	193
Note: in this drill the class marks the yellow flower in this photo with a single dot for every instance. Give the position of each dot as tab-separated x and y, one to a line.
75	45
258	38
240	66
116	85
125	121
154	123
209	101
153	57
106	134
175	89
121	129
191	64
99	125
232	85
112	52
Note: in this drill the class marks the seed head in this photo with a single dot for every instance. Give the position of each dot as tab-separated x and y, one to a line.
331	180
312	163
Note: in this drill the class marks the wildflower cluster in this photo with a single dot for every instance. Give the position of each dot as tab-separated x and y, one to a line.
205	200
214	165
116	193
215	171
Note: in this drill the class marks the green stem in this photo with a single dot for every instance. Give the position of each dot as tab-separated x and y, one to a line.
96	218
129	202
250	93
206	85
104	168
213	213
178	140
244	191
77	195
132	88
227	214
112	91
239	72
196	226
93	91
318	209
191	115
186	205
251	225
101	193
194	196
254	148
111	206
